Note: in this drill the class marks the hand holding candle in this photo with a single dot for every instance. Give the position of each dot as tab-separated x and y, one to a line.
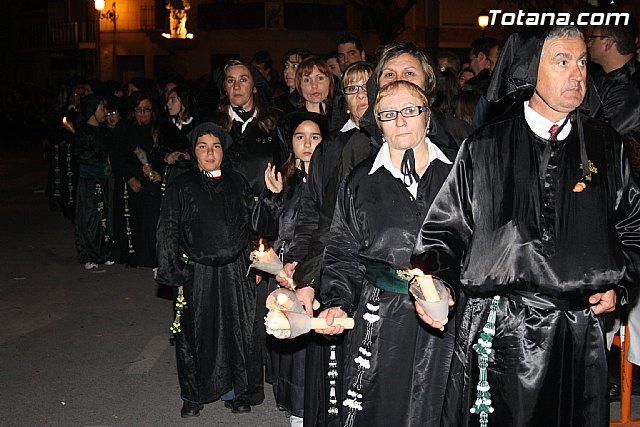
66	124
269	262
432	295
287	319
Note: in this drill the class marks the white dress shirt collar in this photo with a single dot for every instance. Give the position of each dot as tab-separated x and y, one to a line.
383	159
541	125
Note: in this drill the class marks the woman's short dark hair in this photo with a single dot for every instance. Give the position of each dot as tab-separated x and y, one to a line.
395	49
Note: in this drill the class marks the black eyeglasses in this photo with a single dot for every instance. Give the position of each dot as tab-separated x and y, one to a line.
412	111
111	113
598	37
353	89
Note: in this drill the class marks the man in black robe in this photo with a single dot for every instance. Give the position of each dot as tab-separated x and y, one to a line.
539	222
203	247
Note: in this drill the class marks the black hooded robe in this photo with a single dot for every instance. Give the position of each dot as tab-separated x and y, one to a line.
215	351
545	249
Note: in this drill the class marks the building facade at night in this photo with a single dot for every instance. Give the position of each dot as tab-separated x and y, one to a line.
71	38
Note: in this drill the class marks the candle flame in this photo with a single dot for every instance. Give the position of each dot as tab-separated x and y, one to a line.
416	272
261	247
64	121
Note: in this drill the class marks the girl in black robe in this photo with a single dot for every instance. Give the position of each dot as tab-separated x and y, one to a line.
93	219
203	246
276	216
396	367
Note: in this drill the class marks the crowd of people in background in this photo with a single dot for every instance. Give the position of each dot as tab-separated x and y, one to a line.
185	177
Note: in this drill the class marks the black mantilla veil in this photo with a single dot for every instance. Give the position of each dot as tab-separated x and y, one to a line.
515	77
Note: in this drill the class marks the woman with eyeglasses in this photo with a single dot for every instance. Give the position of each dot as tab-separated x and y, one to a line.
378	215
136	159
325	355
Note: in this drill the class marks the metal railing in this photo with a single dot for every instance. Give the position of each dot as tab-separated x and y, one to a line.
60	35
147	17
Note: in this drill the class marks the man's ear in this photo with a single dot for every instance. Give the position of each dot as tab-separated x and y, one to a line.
483	59
608	44
363	55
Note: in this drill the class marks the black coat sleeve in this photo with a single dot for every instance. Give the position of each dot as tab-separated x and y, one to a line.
344	270
266	214
628	231
447	228
172	271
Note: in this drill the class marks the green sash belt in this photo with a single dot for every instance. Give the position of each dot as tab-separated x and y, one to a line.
383	276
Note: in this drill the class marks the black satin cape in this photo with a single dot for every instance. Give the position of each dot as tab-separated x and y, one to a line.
503	230
211	225
377	219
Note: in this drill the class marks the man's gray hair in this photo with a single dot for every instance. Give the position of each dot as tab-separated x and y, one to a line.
565	32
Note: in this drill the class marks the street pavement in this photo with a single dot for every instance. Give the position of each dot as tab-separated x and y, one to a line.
80	348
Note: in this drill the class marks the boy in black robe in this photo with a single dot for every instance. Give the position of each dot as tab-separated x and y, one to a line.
203	246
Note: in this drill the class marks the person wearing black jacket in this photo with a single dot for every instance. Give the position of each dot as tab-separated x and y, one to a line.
93	219
612	47
172	134
275	217
246	114
137	192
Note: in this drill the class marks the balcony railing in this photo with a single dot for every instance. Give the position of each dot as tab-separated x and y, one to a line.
147	17
61	35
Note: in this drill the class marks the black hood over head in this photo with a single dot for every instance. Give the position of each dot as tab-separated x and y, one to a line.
204	128
517	67
292	120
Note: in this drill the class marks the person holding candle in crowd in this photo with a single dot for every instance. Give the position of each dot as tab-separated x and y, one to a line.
379	209
275	216
539	221
204	235
93	220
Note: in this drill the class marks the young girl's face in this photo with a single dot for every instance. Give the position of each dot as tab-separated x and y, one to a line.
306	138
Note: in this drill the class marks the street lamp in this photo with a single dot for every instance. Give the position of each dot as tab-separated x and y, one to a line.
483	20
108	14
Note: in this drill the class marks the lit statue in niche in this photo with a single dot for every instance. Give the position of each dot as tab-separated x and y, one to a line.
178	17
